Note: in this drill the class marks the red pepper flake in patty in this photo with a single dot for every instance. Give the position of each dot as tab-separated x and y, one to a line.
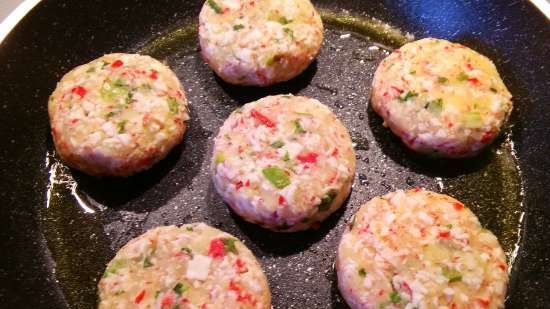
483	303
247	184
240	265
335	152
216	248
458	206
154	75
282	200
80	91
502	266
397	89
444	234
308	157
140	297
262	118
487	137
117	64
238	185
474	81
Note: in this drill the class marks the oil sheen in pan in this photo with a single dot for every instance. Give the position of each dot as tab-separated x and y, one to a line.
86	220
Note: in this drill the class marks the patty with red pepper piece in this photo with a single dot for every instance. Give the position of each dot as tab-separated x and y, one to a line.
284	162
117	115
420	249
192	266
259	42
441	98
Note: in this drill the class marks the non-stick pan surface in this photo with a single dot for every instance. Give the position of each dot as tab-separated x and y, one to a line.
59	227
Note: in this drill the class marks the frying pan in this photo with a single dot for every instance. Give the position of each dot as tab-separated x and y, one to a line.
60	227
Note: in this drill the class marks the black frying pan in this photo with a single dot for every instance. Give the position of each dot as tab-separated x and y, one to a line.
54	248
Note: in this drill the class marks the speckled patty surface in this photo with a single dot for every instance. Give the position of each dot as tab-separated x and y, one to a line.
441	98
284	162
259	42
192	266
420	249
117	115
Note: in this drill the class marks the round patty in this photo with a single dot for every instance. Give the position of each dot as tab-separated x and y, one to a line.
441	98
117	115
420	249
284	162
193	266
259	42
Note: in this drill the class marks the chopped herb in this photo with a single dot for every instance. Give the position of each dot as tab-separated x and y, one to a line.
493	89
278	144
105	63
229	245
472	120
362	273
119	292
452	274
408	95
119	82
442	79
298	129
112	90
90	70
147	86
186	250
147	262
157	293
238	27
110	114
189	228
395	297
449	226
413	72
115	266
271	60
173	105
289	32
327	200
435	106
180	288
129	97
120	126
462	77
220	158
277	176
215	6
283	20
286	157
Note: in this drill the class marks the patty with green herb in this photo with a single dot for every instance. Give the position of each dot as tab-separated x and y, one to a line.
259	42
117	115
441	98
192	266
420	249
284	162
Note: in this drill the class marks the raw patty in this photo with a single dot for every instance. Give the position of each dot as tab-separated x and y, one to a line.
441	98
259	42
117	115
420	249
194	266
284	162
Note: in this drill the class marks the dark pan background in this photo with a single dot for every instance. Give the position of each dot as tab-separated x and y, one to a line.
58	35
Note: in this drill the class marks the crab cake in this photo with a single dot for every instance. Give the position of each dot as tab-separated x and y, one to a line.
420	249
283	162
193	266
441	98
117	115
259	42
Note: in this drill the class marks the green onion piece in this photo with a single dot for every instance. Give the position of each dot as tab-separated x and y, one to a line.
435	106
220	158
408	95
189	229
129	97
276	176
395	297
326	201
283	20
278	144
298	129
90	70
452	274
173	105
229	245
472	120
442	79
115	266
238	27
493	89
289	32
286	157
110	114
180	288
413	72
362	273
215	6
147	262
186	250
112	90
120	126
462	77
